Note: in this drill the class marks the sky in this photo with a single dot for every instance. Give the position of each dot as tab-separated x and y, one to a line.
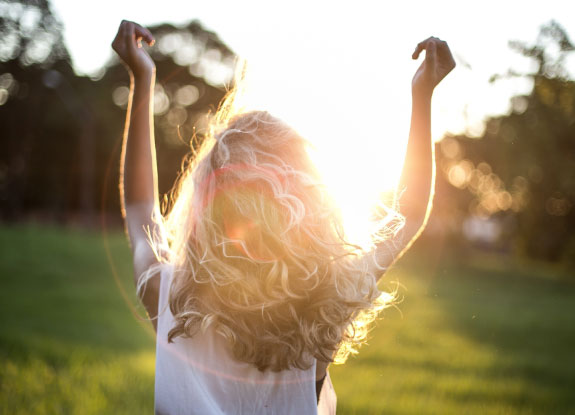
367	42
309	59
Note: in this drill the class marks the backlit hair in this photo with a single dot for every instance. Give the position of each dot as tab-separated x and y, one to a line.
259	253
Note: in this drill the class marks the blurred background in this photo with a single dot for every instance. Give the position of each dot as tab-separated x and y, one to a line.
487	320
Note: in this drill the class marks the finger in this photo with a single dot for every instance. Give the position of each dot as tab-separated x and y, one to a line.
128	35
132	35
417	51
421	46
124	28
143	33
445	52
133	31
119	38
430	54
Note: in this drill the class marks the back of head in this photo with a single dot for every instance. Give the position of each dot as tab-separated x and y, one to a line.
259	254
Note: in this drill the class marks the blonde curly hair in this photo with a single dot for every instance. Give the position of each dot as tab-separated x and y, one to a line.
259	252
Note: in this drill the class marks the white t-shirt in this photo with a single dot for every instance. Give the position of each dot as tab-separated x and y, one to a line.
199	375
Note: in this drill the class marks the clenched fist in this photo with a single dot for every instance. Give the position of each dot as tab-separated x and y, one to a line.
128	46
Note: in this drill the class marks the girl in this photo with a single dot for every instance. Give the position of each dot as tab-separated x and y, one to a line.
248	280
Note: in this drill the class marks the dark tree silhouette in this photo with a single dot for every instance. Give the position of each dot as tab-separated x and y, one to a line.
31	45
521	171
193	67
59	131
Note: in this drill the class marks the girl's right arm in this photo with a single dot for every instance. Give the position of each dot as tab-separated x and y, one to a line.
418	175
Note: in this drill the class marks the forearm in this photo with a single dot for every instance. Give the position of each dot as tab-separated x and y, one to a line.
138	175
417	179
416	184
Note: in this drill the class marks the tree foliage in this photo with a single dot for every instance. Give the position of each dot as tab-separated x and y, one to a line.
61	133
30	134
521	172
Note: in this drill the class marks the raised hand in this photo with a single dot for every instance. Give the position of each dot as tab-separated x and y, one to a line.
437	64
128	46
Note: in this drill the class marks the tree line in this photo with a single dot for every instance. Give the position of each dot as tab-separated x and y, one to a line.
511	189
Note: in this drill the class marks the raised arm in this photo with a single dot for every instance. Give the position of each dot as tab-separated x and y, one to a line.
138	176
418	176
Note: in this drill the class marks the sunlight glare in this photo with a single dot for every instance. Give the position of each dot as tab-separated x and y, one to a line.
359	151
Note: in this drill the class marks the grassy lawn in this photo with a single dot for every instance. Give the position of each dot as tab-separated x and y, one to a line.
475	339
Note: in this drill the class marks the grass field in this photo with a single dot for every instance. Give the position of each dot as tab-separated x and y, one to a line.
476	339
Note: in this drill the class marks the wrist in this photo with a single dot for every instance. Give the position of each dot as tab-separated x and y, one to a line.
422	94
145	76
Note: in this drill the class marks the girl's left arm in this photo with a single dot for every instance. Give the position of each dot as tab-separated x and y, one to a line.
138	174
418	175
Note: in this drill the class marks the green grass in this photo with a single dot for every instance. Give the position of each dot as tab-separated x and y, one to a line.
488	338
69	343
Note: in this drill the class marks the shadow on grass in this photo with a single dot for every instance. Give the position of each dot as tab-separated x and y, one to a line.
475	337
523	318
